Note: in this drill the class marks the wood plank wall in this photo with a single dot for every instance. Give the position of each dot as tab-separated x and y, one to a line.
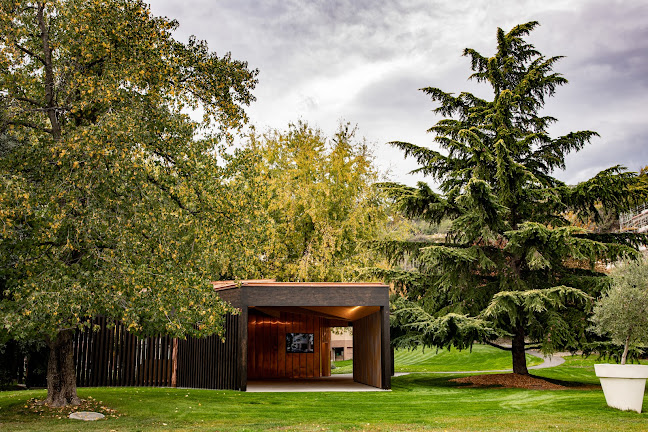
367	365
114	357
267	356
208	362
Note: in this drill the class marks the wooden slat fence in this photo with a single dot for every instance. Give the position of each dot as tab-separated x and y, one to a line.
209	362
114	357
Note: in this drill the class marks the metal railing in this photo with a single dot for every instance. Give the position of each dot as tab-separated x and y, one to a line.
636	220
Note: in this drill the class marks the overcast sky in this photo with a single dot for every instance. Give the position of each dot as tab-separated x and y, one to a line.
326	61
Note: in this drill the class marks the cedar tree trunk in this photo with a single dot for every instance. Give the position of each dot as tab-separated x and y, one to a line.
517	349
61	378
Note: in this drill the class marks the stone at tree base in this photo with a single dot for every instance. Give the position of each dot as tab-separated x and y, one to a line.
86	415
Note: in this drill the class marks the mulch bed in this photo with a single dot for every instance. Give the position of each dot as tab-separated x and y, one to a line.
511	380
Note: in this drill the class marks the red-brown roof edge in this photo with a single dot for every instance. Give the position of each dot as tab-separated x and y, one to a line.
222	285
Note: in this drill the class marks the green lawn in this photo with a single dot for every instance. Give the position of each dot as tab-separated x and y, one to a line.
482	358
418	402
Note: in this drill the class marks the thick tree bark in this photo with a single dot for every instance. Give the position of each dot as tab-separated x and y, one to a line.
517	350
61	378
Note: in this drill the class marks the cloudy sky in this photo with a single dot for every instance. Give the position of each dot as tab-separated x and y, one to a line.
362	61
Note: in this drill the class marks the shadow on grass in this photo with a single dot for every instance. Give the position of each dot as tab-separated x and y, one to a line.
419	381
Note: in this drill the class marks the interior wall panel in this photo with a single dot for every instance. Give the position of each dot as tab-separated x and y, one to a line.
267	356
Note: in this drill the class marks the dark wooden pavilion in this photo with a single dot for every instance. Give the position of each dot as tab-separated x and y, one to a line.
281	332
274	311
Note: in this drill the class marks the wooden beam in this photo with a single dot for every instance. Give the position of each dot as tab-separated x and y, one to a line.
386	352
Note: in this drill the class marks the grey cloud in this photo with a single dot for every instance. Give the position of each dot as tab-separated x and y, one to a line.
298	44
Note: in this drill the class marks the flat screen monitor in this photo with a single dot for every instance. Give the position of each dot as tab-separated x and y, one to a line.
300	343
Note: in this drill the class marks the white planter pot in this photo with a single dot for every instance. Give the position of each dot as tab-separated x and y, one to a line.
623	385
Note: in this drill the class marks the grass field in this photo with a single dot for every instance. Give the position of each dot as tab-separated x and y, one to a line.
481	358
418	402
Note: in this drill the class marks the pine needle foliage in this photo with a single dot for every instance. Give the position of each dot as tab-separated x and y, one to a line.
511	264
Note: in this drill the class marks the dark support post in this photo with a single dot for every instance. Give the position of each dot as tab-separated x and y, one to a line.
242	347
386	353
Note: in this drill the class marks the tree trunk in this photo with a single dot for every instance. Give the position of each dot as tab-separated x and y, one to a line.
61	378
517	349
624	356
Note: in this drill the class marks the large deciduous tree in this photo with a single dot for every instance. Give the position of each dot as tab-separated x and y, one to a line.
112	201
511	263
319	201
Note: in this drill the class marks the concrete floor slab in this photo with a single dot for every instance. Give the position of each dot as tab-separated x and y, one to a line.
334	383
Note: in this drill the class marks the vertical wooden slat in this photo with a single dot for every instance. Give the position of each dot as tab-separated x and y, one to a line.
303	358
110	351
295	357
281	346
387	358
148	370
252	346
100	371
119	344
289	357
266	347
162	361
130	366
158	361
308	319
157	342
174	364
232	358
216	351
273	346
82	365
133	368
202	343
258	346
117	354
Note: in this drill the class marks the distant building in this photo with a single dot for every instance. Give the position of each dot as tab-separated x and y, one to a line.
341	344
635	221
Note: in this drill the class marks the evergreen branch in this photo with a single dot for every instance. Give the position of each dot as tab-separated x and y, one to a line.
498	346
422	202
604	189
424	156
513	306
397	250
449	330
633	240
449	104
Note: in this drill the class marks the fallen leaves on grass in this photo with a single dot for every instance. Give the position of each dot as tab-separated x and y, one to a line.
36	406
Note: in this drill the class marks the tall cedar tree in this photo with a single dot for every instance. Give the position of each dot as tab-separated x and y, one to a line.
112	201
511	263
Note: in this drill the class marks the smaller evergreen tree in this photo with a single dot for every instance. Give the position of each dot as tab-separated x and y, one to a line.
621	312
511	264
